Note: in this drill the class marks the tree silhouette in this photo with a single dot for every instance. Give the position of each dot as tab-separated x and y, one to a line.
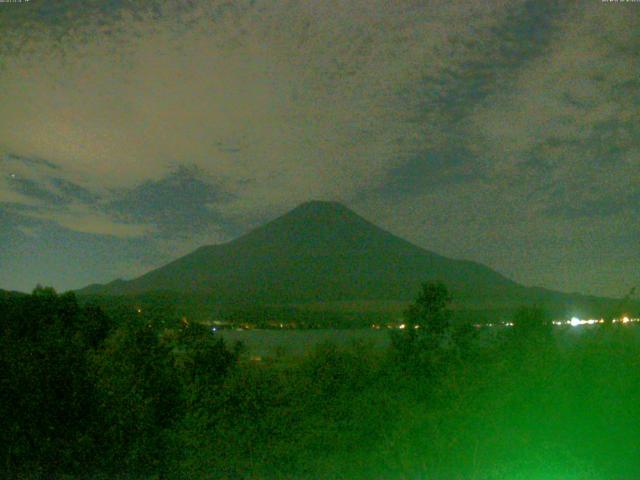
427	325
430	311
46	400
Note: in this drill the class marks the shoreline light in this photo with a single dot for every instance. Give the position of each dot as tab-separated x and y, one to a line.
574	322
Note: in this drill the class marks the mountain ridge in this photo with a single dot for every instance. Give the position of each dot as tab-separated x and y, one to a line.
311	234
324	253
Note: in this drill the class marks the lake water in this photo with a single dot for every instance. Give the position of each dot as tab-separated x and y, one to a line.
295	342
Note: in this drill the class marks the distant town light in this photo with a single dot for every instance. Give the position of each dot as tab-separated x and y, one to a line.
575	321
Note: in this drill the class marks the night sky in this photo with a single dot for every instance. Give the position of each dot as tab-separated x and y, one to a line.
504	132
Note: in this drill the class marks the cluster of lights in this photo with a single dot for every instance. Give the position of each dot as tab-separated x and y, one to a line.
576	322
626	320
401	326
500	324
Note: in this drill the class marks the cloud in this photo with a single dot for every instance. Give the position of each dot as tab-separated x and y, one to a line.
182	203
276	102
564	129
34	189
79	218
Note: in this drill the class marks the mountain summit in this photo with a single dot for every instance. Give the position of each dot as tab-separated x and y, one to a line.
317	252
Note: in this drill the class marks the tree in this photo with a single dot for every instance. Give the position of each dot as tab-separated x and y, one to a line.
46	393
203	361
426	329
138	396
430	311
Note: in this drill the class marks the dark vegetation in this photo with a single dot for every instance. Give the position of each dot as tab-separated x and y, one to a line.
141	395
354	314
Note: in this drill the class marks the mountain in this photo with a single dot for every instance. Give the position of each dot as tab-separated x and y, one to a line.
322	253
6	294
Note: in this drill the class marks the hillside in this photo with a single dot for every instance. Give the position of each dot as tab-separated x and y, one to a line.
322	253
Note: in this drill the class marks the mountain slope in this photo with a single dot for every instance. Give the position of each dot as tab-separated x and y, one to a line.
7	295
324	257
318	252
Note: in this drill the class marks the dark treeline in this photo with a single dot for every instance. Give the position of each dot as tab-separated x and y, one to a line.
90	395
169	306
248	313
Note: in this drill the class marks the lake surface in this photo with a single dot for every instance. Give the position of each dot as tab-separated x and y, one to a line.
295	342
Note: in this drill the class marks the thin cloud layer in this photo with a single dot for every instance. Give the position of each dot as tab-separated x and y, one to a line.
277	101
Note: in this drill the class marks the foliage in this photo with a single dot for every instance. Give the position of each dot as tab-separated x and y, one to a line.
80	393
47	396
137	396
87	396
425	341
431	310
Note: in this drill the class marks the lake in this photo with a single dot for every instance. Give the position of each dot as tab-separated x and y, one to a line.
295	342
